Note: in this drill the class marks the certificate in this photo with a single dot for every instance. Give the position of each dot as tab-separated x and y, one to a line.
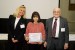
35	37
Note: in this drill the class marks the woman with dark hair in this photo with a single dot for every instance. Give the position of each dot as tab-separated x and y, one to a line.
35	14
35	26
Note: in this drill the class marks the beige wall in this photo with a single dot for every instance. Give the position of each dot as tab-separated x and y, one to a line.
44	7
70	15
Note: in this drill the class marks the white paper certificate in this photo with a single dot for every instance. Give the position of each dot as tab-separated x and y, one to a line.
35	37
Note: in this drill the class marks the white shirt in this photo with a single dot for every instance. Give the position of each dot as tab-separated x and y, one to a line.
57	27
16	21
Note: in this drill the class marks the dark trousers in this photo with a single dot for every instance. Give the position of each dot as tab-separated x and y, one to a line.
35	47
17	46
55	45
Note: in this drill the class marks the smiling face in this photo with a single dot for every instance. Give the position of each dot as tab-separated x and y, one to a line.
21	11
35	19
56	12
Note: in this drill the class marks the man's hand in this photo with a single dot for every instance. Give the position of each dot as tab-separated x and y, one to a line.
66	46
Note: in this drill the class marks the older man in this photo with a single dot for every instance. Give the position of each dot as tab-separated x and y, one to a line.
57	32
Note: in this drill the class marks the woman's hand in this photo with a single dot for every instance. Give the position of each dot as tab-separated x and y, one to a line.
26	37
45	44
14	41
39	42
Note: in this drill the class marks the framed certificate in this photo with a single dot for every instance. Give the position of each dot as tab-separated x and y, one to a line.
35	37
72	5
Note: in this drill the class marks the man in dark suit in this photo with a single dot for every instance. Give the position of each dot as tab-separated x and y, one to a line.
57	32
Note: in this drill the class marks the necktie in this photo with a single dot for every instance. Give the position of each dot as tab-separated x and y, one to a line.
54	28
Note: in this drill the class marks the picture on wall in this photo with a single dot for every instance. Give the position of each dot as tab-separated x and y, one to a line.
72	5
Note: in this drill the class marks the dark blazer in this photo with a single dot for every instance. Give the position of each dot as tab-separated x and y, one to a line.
18	32
63	36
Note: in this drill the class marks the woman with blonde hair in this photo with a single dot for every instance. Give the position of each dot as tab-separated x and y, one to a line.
16	28
20	8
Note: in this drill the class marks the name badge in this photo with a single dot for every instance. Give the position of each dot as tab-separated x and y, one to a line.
62	29
22	26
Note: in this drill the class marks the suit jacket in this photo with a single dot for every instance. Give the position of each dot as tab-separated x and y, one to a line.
63	36
18	32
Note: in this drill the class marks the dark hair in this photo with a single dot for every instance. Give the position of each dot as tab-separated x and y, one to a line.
35	14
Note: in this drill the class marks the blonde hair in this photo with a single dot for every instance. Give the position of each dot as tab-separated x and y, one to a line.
17	11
